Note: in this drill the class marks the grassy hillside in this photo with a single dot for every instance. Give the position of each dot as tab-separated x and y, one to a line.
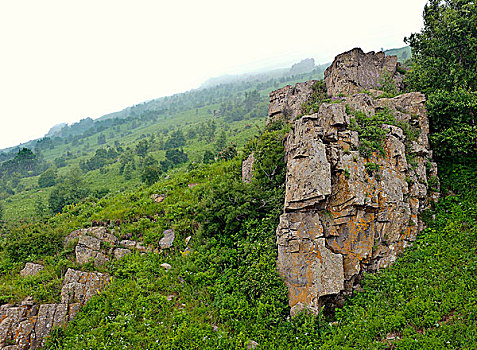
223	290
205	120
403	54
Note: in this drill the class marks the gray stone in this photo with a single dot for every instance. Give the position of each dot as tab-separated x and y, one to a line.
166	266
85	255
31	269
128	244
285	103
167	240
354	71
90	242
308	170
79	287
341	216
247	168
251	344
120	253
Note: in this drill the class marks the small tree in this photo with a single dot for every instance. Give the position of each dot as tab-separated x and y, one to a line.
209	157
47	179
445	51
101	139
221	142
70	189
150	174
142	148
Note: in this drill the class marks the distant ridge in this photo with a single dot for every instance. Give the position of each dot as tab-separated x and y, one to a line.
305	66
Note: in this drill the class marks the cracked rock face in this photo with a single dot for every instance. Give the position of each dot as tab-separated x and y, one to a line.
341	218
285	103
27	325
355	71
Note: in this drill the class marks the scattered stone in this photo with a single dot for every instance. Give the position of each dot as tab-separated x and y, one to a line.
157	198
104	236
167	240
120	253
31	269
166	266
128	244
92	231
187	240
140	247
251	344
247	168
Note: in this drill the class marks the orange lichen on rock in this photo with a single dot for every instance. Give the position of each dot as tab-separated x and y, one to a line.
345	214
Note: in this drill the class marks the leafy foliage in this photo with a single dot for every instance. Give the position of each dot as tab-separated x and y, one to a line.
445	68
70	189
445	51
47	179
370	131
319	95
453	123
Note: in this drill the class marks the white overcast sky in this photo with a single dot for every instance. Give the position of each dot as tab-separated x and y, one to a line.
61	61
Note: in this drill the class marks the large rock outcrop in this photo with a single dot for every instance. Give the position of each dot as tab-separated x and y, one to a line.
355	71
26	326
347	211
285	103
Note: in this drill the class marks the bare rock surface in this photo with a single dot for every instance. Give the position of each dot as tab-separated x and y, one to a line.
345	213
355	71
89	249
120	253
31	269
27	325
168	239
285	103
79	287
247	168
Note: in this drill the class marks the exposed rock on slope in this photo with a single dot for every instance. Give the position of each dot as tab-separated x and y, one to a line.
346	210
285	103
25	326
355	71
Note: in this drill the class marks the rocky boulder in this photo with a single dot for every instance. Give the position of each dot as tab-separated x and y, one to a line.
31	269
347	210
355	71
285	103
26	326
168	239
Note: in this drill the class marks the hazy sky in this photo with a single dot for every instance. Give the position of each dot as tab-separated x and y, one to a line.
61	61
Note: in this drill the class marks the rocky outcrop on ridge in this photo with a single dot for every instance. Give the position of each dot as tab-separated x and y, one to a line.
355	71
347	211
285	103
